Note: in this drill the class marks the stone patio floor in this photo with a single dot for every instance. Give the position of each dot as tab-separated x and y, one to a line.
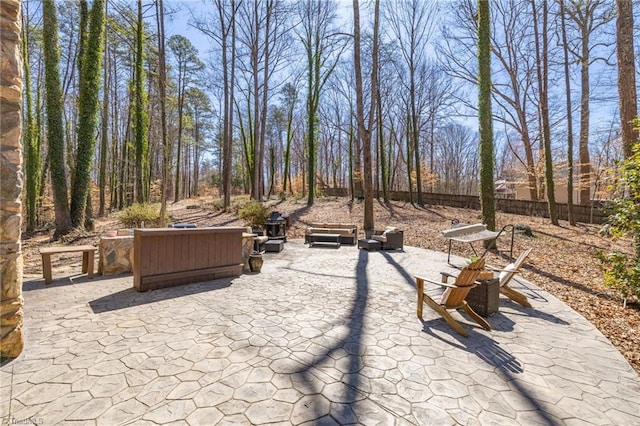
321	336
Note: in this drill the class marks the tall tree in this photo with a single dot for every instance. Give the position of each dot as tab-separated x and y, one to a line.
322	45
199	108
263	30
224	35
588	16
31	140
162	82
141	117
626	75
512	47
290	99
104	133
365	130
412	24
187	63
487	195
88	107
567	88
542	69
227	18
55	129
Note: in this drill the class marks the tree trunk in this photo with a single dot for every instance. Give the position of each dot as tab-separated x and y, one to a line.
364	132
542	68
415	139
55	129
31	141
567	85
104	138
11	260
88	113
287	152
227	82
408	133
177	191
487	196
352	183
162	84
141	116
585	161
626	75
266	71
384	173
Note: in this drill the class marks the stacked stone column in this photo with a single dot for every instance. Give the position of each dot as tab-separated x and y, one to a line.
11	336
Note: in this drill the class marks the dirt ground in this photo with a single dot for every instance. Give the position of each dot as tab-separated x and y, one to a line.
563	261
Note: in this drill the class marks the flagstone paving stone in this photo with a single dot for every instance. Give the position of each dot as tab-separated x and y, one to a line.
320	336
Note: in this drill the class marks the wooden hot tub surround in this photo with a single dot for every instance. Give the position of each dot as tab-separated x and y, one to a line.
167	257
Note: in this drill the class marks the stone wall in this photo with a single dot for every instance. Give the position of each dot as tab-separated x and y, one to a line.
115	255
11	336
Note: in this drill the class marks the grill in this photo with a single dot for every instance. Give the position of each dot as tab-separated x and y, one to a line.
275	227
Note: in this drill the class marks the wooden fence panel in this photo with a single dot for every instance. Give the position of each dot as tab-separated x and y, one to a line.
595	213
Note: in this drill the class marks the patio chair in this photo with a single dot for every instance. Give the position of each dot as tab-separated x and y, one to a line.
391	238
507	274
454	296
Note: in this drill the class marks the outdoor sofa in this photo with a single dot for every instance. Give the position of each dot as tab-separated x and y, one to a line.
348	232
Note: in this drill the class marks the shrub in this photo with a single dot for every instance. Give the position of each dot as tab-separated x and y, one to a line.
137	214
622	270
218	204
253	213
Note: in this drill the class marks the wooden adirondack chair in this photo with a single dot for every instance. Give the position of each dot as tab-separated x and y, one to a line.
507	274
454	296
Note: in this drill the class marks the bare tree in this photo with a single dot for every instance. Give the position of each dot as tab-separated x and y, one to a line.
262	30
223	33
323	45
162	81
588	17
567	85
542	69
187	64
364	131
514	64
457	167
412	24
626	74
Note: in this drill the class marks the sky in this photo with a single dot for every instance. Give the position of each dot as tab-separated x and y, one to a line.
183	11
178	22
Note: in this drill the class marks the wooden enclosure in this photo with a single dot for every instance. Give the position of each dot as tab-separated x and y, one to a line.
169	257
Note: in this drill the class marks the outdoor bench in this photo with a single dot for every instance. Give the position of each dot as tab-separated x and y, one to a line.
88	253
348	233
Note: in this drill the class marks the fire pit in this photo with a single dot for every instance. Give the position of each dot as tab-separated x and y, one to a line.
275	227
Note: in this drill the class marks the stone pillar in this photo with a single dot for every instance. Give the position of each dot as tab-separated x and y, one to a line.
11	262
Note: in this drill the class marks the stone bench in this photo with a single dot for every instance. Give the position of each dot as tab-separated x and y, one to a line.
88	254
